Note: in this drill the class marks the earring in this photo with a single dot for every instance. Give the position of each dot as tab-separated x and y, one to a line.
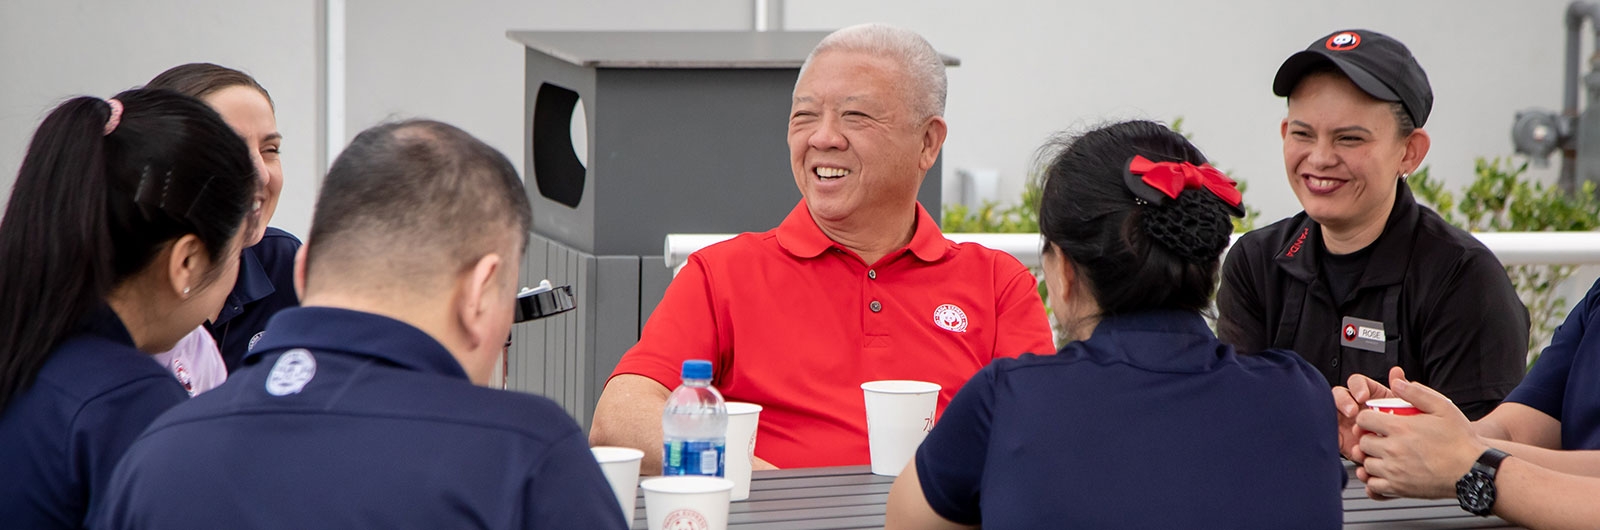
186	291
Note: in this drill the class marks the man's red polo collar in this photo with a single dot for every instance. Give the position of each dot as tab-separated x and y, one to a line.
800	236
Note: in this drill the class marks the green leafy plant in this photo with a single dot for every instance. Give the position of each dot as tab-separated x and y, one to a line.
995	218
1501	199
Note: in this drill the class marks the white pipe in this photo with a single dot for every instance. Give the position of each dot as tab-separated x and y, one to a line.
1513	248
1536	248
333	95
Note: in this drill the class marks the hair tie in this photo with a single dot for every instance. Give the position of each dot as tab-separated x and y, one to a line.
1158	182
116	116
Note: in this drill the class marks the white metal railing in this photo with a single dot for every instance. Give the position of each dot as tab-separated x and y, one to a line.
1513	248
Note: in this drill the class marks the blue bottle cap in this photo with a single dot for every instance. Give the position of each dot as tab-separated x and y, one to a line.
696	369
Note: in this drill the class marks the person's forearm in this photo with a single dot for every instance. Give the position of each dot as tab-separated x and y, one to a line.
1584	463
1489	429
1476	410
908	508
1515	422
629	415
1536	497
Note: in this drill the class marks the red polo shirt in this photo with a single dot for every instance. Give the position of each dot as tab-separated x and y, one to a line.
795	322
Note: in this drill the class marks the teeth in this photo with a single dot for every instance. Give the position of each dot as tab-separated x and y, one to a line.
1321	183
832	172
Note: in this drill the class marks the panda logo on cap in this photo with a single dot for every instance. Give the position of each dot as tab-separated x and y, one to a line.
1343	41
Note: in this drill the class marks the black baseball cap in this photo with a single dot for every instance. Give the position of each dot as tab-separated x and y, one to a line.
1379	65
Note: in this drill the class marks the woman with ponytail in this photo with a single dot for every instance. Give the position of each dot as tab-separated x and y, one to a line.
1146	420
121	235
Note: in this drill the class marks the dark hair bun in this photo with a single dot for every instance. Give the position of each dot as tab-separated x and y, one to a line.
1136	254
1195	227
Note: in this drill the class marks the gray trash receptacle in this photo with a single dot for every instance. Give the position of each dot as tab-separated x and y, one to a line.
683	132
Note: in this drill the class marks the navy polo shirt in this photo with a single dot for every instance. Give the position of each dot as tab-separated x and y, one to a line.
346	419
1151	423
1565	382
61	437
265	287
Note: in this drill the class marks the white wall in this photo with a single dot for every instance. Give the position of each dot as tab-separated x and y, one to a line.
51	50
452	61
1029	67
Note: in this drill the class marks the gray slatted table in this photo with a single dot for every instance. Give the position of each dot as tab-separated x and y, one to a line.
853	497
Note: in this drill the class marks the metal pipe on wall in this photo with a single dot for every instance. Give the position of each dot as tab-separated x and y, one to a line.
768	15
1568	179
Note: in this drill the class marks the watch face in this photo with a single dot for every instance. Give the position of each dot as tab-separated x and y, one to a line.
1475	492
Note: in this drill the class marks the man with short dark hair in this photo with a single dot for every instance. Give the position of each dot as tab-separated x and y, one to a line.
361	409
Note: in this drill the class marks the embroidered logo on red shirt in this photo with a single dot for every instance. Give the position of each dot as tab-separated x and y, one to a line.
950	317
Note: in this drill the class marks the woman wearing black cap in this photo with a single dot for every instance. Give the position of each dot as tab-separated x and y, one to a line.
1365	278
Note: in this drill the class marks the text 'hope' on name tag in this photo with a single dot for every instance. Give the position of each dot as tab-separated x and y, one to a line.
1362	334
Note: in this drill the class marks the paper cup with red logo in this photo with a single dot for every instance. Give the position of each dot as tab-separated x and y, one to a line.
1396	406
899	416
621	467
689	502
741	439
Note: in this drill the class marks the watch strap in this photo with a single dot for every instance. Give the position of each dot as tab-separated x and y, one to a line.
1489	461
1475	491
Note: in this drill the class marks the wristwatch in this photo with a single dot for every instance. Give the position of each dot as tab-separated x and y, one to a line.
1475	490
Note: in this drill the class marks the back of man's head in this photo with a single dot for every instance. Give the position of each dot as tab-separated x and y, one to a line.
407	206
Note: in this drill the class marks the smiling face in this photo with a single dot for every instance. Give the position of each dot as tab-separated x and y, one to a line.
1343	152
250	115
857	147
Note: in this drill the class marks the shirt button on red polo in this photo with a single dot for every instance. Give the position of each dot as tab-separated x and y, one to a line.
876	307
872	274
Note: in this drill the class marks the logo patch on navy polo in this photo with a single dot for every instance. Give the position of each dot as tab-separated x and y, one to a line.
290	374
950	317
253	339
1344	41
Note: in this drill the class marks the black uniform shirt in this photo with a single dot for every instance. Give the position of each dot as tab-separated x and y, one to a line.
1449	314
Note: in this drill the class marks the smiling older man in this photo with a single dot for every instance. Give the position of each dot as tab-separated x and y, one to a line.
856	284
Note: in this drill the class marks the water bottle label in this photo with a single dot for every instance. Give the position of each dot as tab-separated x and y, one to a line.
694	457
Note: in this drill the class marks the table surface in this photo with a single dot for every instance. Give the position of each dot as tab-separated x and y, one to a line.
852	497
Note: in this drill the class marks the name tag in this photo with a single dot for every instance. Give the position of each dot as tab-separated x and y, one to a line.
1362	334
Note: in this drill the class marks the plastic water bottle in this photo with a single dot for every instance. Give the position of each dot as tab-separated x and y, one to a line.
694	425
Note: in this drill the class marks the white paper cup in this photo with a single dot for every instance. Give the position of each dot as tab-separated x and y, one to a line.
621	467
698	502
741	439
899	416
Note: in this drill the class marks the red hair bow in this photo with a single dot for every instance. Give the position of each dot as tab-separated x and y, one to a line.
1171	178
